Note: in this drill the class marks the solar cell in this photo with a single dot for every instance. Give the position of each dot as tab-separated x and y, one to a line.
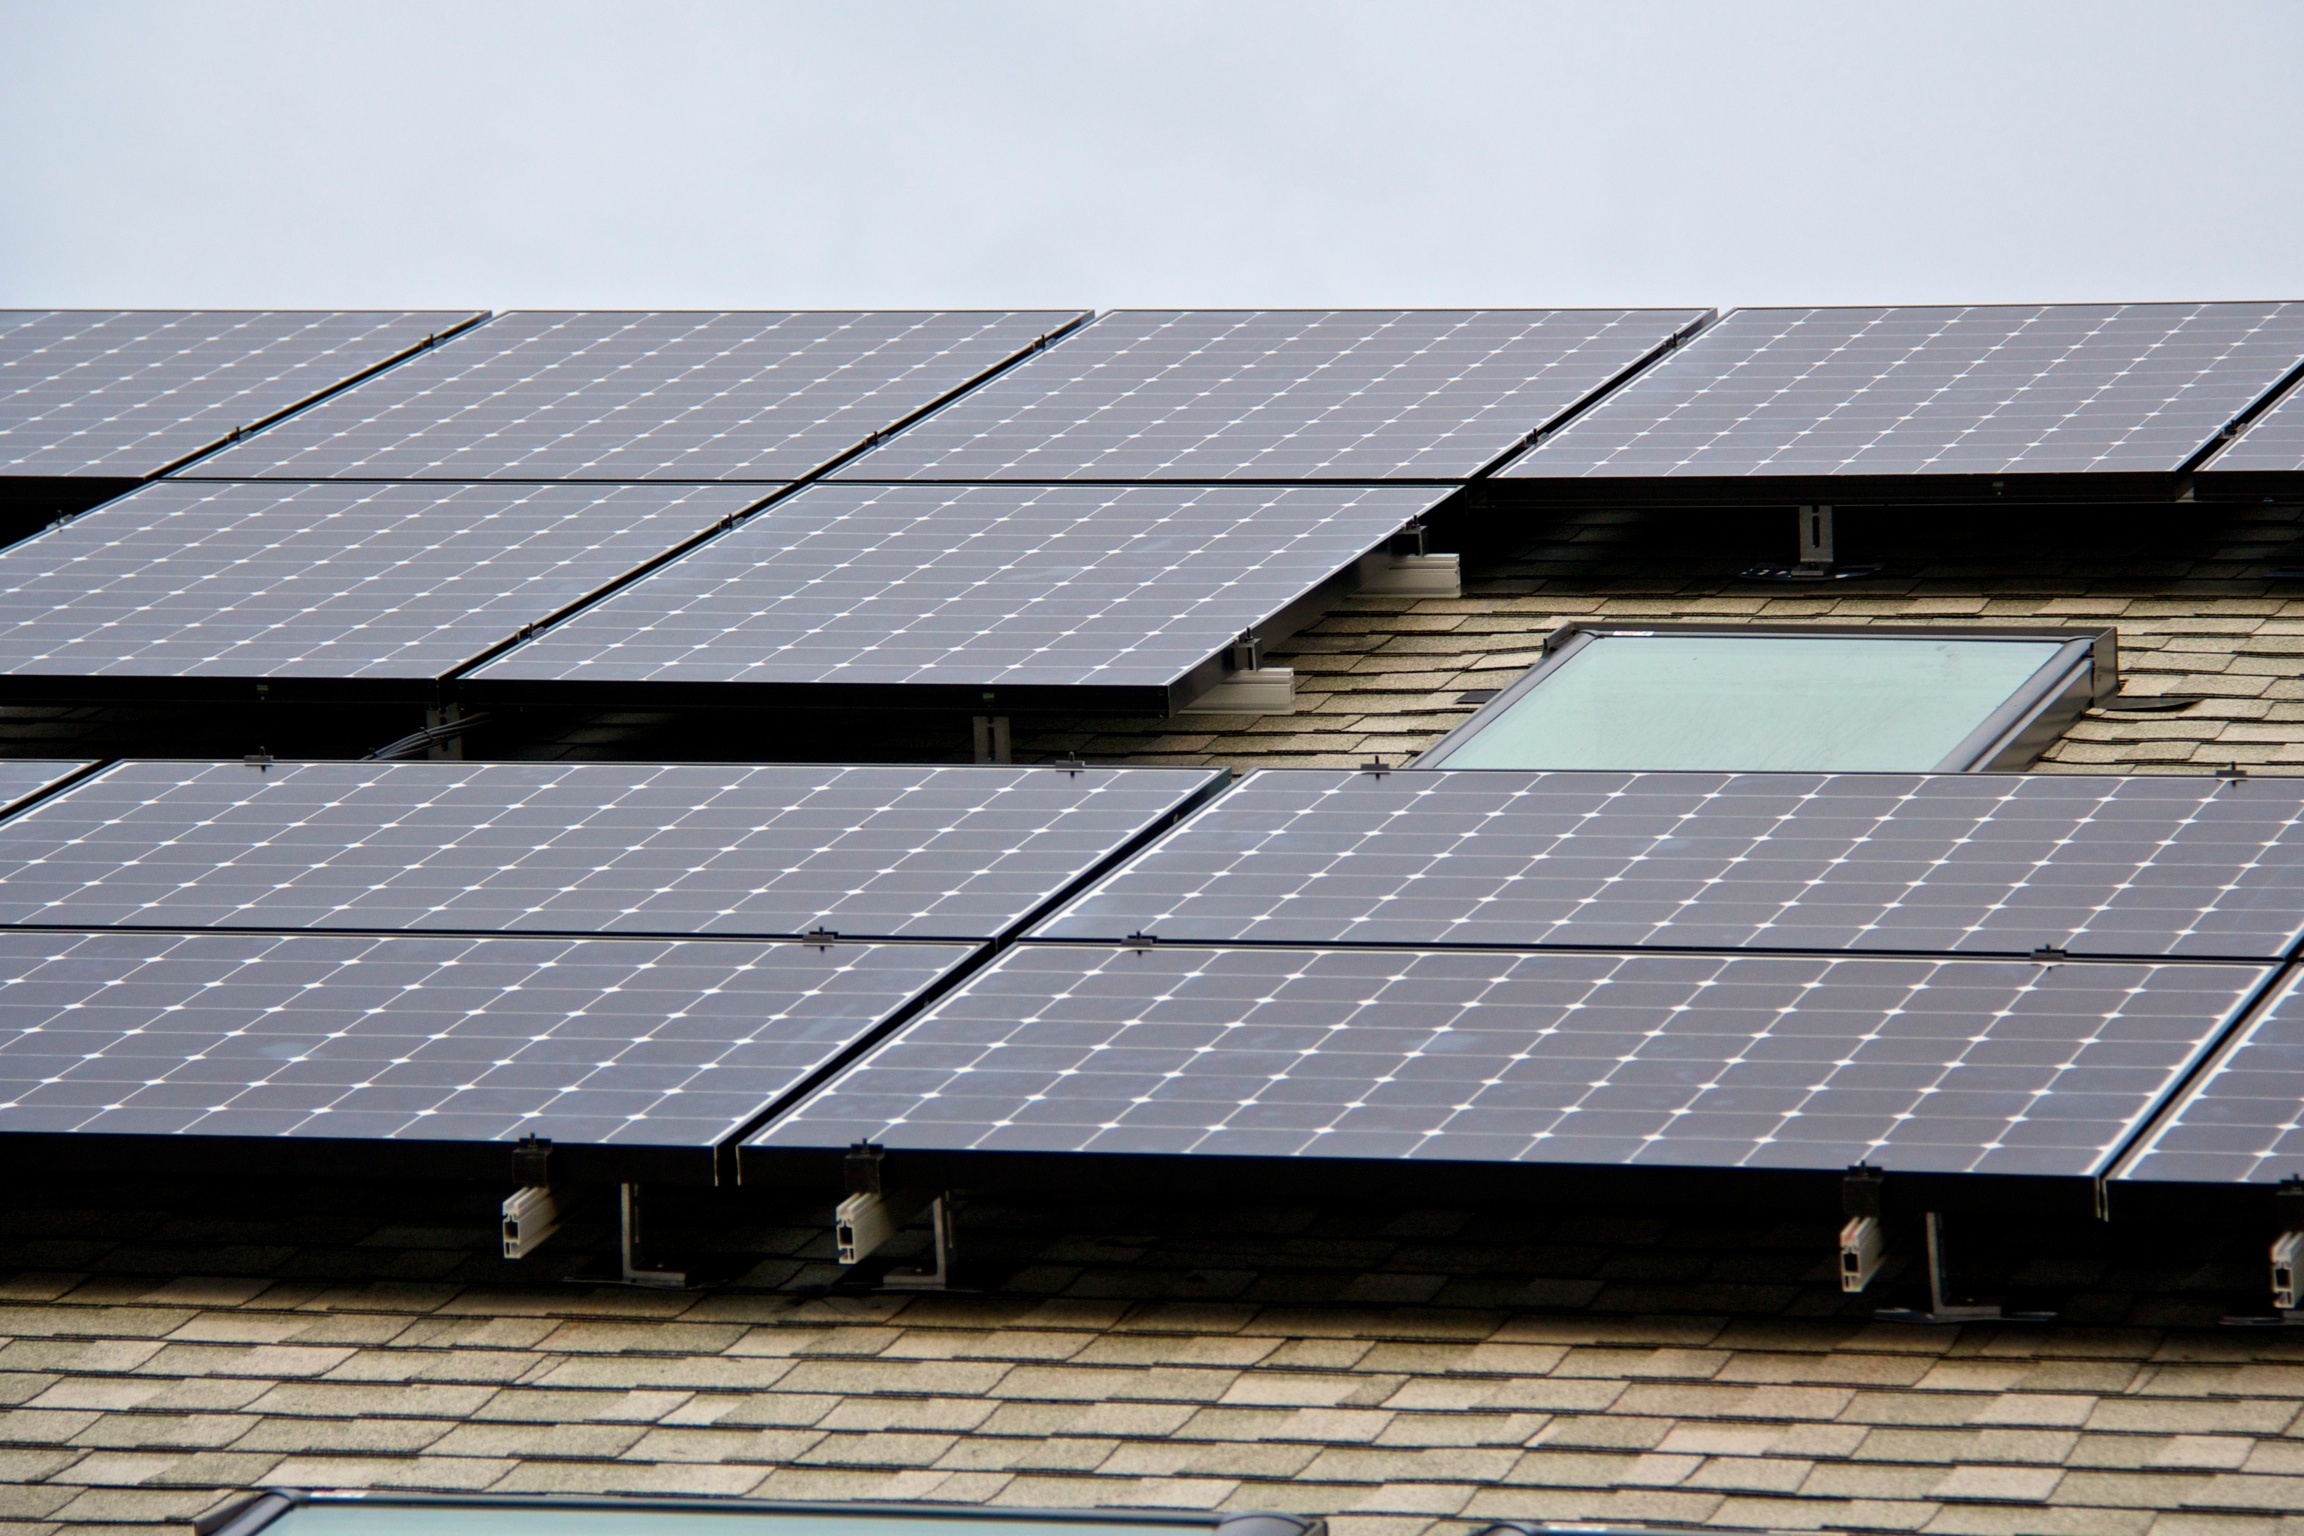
2116	865
599	1041
1991	390
2274	444
1968	1066
2243	1121
1279	395
975	586
744	395
126	393
324	581
914	852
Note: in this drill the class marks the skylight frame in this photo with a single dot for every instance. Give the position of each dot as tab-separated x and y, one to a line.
2083	673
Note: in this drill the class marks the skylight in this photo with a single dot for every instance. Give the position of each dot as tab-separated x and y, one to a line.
1816	700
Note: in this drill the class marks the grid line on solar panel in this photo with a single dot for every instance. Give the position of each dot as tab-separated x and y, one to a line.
192	579
765	396
1277	395
1058	585
126	393
1944	1065
1947	863
2242	1121
2008	389
2273	443
890	852
613	1041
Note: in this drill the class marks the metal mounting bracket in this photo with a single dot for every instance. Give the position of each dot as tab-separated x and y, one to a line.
1941	1310
531	1212
1813	536
993	741
636	1272
1863	1240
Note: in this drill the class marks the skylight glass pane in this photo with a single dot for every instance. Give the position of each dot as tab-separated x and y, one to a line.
448	1519
1821	703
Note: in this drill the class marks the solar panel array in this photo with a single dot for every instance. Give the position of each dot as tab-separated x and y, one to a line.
1723	1061
2176	867
585	848
126	393
1059	585
469	953
1152	395
2050	389
765	396
324	581
1933	974
388	1038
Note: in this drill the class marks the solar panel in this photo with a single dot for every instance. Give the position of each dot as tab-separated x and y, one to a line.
913	852
977	586
744	395
1992	390
1968	1066
126	393
2118	865
2243	1121
23	777
1279	395
598	1041
332	581
2274	444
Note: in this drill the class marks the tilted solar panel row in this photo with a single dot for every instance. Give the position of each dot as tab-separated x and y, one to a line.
1149	396
650	961
1935	975
384	542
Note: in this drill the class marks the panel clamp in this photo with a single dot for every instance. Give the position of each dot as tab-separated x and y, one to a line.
1863	1240
532	1212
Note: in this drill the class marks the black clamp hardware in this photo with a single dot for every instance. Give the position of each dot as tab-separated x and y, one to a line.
865	1169
1860	1190
531	1160
2049	954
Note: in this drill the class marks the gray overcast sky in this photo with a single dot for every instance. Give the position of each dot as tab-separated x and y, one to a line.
508	154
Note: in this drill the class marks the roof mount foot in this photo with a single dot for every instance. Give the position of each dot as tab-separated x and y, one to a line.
636	1270
1941	1309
